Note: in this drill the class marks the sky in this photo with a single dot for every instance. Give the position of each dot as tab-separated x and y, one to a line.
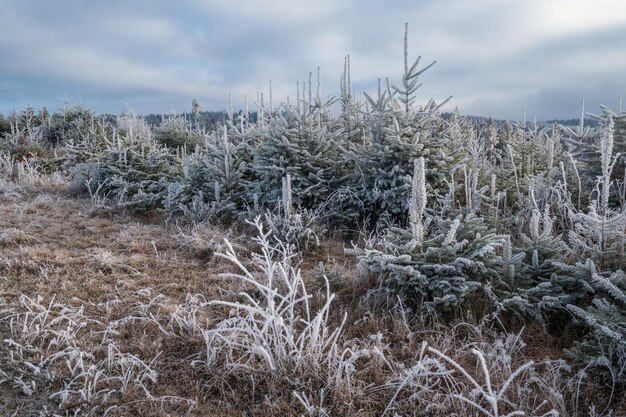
495	57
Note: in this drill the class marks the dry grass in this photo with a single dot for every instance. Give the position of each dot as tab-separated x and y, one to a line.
108	314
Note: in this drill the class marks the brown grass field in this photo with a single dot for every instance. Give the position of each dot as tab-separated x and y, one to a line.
106	313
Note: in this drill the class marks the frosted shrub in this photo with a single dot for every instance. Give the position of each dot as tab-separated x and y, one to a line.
27	173
302	230
297	227
58	352
498	387
478	376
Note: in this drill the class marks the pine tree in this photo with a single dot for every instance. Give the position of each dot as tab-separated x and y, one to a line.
396	132
176	132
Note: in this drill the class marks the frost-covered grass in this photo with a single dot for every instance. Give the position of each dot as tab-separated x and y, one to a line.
254	327
274	323
16	175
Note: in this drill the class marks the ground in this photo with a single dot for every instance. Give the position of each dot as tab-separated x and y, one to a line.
128	295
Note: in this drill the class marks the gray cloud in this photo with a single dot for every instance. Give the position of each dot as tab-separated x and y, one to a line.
496	57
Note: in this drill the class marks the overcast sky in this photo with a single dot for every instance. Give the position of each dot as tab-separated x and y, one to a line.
494	56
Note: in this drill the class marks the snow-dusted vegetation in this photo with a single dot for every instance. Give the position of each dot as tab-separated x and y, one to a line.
358	256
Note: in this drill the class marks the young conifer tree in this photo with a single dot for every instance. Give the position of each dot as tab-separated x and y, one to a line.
398	131
604	347
439	261
296	141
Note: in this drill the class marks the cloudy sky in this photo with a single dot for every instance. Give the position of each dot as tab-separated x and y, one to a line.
494	56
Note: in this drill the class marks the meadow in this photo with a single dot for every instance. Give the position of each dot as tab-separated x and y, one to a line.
365	255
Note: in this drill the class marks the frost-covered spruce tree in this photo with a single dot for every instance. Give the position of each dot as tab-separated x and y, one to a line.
525	177
398	132
528	285
134	171
599	237
25	135
215	175
492	143
437	262
506	170
542	247
79	155
295	141
604	347
521	149
350	121
588	152
177	132
69	125
474	174
349	135
528	164
598	234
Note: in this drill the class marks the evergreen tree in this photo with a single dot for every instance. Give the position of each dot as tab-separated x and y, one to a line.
604	347
176	132
295	142
134	171
438	262
217	174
